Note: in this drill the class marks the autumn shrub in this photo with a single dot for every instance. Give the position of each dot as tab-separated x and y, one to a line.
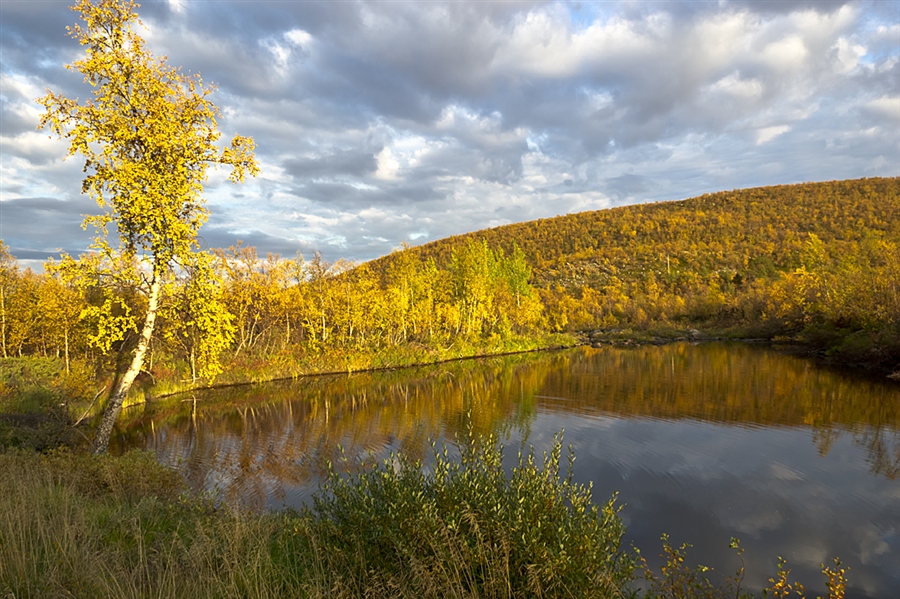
38	397
782	588
36	383
677	579
463	527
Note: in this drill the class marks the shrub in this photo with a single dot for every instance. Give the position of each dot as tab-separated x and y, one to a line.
36	397
678	580
465	528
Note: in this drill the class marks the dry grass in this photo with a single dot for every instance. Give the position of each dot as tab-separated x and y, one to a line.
77	525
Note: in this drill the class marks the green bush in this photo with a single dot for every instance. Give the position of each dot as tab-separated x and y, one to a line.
34	384
37	401
465	528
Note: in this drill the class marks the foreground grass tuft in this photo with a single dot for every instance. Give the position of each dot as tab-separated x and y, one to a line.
466	528
79	525
99	526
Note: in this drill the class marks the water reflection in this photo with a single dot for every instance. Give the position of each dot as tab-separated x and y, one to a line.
702	441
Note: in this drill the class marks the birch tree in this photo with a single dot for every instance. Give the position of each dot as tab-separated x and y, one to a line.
148	136
9	272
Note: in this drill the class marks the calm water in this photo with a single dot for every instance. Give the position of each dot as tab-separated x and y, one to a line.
703	442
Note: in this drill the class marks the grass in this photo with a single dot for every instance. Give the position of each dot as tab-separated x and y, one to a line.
96	526
83	526
79	525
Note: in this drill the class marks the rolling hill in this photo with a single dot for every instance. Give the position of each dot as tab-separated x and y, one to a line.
815	262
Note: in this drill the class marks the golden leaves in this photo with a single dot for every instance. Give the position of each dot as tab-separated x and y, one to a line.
147	136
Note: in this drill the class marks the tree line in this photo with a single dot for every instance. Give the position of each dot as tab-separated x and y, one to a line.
840	285
842	280
244	304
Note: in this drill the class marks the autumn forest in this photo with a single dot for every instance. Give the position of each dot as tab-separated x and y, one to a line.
149	312
814	263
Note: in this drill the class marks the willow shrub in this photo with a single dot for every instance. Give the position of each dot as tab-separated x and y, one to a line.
466	528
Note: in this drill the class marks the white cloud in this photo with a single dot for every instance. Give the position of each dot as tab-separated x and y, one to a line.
848	55
767	134
177	6
733	85
886	106
543	44
388	165
32	149
788	54
298	37
16	84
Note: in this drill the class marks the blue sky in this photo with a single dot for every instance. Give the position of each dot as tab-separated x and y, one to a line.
383	122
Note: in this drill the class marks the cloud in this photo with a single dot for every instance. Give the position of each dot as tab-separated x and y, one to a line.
790	6
887	108
39	227
767	134
346	163
378	123
388	166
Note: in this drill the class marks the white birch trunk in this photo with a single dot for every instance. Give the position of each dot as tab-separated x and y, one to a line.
104	432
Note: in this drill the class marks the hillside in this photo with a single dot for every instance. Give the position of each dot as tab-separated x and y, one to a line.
817	262
743	230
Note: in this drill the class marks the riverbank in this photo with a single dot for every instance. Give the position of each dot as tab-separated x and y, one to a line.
82	525
46	393
829	350
859	351
43	405
278	367
249	368
45	402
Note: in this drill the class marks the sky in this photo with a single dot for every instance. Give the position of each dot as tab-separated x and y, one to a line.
383	122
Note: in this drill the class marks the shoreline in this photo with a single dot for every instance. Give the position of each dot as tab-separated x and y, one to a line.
23	418
617	338
596	339
386	368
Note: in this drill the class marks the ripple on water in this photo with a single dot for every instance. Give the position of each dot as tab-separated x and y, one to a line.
703	442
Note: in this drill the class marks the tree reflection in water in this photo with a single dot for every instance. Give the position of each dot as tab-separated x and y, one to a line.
702	440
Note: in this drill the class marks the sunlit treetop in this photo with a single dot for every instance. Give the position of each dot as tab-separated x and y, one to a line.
148	135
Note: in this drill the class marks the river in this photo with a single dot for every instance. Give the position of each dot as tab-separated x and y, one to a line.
701	441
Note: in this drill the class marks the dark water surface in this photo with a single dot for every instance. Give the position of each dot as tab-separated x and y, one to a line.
703	442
